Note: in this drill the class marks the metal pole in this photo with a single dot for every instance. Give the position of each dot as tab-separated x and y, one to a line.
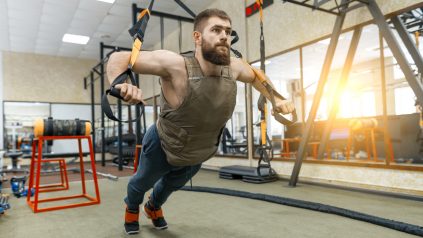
388	152
120	146
339	90
396	50
137	80
249	107
93	110
250	128
408	42
317	96
303	94
103	139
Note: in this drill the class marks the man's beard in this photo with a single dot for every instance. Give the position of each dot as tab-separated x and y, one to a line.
212	55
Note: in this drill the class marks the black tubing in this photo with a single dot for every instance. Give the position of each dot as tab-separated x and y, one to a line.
391	224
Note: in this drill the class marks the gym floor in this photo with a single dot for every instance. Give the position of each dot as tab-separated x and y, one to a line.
192	214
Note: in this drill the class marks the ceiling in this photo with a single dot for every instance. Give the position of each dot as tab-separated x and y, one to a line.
37	26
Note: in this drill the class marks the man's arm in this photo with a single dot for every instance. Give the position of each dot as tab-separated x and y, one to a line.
159	62
244	73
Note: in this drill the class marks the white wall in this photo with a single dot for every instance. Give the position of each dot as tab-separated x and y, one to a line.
1	100
402	181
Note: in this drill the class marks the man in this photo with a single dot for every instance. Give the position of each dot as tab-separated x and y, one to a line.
198	98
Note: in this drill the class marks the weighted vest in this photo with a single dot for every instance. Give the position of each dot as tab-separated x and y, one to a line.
191	133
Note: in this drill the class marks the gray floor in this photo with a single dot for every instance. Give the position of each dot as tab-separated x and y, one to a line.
191	214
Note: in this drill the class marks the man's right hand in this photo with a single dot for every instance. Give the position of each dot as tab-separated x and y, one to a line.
130	93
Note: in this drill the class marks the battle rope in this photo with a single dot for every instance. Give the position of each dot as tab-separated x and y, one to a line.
388	223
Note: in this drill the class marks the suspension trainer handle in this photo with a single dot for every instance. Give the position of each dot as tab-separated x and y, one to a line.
105	105
273	94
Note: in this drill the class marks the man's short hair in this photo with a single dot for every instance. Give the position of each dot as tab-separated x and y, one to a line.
203	16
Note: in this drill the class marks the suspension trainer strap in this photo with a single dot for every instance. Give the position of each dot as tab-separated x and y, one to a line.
137	32
262	100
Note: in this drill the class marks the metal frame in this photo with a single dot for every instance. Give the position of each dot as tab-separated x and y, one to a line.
136	10
393	44
338	91
317	96
99	70
344	6
412	22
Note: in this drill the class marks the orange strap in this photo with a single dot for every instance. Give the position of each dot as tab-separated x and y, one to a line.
131	217
260	4
143	12
154	214
136	46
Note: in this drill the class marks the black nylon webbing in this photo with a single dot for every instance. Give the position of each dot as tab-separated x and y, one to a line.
105	105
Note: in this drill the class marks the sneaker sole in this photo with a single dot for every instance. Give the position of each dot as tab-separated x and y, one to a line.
146	215
132	232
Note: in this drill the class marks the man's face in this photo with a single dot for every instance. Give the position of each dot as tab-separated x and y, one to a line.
215	43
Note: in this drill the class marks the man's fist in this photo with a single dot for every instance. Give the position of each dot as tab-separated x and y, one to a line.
130	93
283	106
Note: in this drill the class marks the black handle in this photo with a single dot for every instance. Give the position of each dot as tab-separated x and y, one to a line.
115	93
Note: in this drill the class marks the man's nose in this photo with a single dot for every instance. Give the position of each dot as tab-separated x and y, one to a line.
223	37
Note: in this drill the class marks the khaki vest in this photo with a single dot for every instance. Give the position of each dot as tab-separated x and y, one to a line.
191	133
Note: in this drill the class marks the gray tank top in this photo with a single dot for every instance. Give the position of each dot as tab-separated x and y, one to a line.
191	133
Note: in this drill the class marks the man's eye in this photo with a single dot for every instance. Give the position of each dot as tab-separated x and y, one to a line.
228	32
216	30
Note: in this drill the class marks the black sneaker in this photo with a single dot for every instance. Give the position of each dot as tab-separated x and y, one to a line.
132	225
156	216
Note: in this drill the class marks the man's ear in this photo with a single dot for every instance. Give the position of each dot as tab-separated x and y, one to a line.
197	37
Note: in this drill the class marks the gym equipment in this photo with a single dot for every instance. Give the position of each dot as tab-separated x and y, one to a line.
17	185
260	174
264	172
388	223
1	169
109	176
14	155
137	32
4	203
35	183
50	127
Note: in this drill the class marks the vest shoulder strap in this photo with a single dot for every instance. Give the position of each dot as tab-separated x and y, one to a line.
194	69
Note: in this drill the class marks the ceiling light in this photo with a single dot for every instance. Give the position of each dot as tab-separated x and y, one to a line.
108	1
76	39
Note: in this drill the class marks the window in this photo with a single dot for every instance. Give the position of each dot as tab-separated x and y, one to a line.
404	101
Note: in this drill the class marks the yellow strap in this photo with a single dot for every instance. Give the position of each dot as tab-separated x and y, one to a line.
263	126
142	13
259	75
260	3
136	47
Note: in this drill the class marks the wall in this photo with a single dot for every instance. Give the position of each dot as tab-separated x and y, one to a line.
400	181
1	100
288	25
32	77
